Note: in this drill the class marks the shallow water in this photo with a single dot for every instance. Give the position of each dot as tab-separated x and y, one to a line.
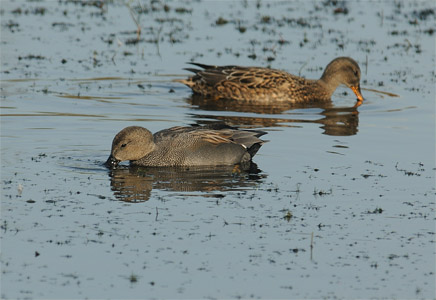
340	204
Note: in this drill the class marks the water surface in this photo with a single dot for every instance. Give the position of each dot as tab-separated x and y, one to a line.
340	204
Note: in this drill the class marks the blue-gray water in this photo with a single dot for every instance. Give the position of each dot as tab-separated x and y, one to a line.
342	204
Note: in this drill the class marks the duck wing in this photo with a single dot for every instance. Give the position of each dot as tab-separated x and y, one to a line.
249	77
212	134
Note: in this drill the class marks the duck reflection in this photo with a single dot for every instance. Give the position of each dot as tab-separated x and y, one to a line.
134	184
336	121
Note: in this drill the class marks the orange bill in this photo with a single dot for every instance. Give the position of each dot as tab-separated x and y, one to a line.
356	90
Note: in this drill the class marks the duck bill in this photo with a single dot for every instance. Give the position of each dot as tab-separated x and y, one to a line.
356	90
111	162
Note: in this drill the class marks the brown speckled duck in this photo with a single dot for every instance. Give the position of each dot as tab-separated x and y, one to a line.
209	145
268	86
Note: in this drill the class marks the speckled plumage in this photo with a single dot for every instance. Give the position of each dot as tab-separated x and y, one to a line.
268	86
211	145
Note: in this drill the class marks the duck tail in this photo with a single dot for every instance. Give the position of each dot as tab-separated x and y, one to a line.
254	148
202	65
190	81
250	139
192	70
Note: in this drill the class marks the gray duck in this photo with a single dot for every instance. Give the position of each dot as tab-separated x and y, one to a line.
209	145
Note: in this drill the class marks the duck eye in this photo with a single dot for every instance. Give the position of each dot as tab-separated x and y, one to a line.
356	72
123	145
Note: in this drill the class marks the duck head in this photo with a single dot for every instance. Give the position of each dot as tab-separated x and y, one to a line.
343	70
131	143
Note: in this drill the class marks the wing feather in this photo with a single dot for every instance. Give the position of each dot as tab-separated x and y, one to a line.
248	77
